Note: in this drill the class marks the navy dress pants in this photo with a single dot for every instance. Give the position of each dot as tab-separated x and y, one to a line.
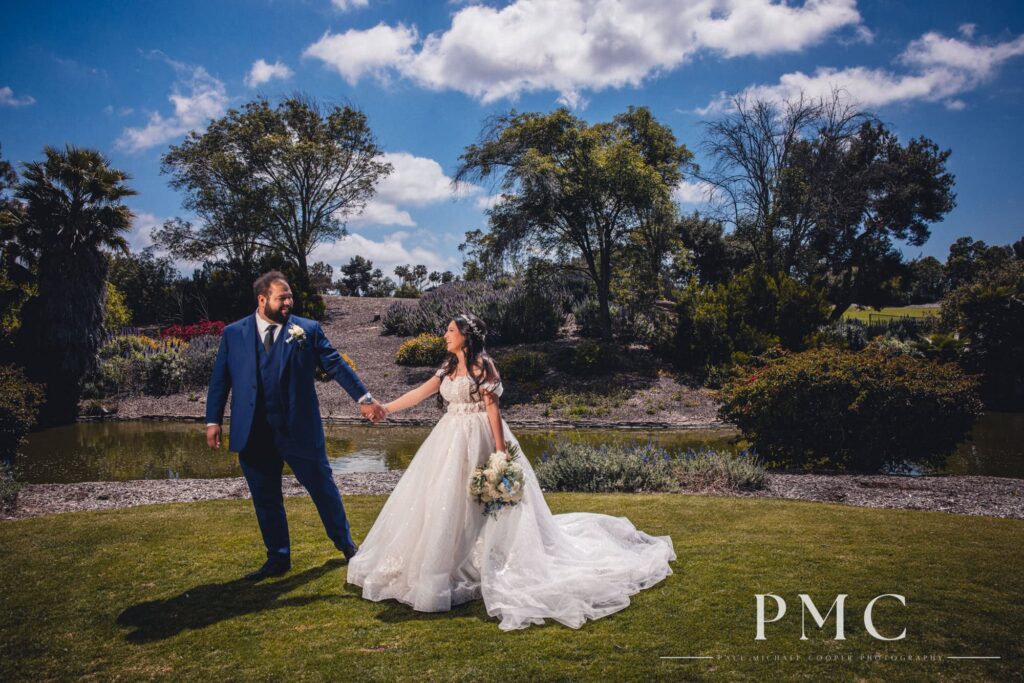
262	463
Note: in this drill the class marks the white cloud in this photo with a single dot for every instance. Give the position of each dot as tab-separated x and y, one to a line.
346	5
382	213
141	235
392	250
690	192
261	72
487	201
939	68
372	52
415	181
419	180
197	97
574	45
7	98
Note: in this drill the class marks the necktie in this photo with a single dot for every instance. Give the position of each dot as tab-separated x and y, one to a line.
268	338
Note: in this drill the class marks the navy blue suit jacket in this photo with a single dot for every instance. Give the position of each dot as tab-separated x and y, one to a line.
236	367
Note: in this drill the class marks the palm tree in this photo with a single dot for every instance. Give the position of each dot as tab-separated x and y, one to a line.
72	211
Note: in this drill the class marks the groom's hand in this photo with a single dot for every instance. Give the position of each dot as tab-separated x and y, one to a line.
213	436
374	412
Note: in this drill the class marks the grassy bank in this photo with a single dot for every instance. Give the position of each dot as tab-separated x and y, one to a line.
153	592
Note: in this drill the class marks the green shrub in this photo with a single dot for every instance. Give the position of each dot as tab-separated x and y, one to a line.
127	346
198	358
20	401
709	470
165	373
859	411
9	488
522	365
572	466
592	358
426	349
116	314
850	335
988	314
750	313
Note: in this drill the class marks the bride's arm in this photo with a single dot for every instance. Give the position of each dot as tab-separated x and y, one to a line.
414	396
494	418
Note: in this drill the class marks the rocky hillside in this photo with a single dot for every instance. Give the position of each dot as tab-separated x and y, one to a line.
640	394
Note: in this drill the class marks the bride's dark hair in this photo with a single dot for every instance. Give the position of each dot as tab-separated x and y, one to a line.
475	332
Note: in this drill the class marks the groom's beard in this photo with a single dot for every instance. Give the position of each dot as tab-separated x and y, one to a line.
278	315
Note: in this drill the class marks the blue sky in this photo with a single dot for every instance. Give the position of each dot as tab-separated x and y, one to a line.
130	78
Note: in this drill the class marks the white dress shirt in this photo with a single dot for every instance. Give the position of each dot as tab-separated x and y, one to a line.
261	328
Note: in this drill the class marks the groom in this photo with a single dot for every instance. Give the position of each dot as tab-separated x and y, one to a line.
268	360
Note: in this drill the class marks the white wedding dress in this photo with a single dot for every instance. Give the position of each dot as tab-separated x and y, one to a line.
431	547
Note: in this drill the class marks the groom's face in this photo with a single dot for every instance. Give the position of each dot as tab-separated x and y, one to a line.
278	302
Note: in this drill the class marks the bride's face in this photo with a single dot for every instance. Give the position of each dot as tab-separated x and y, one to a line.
454	339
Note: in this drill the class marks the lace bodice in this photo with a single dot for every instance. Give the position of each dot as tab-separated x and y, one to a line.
458	391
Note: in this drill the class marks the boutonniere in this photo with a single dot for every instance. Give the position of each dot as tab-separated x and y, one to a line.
296	334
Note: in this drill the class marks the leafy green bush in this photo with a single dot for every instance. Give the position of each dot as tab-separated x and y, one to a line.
710	470
116	314
988	314
426	349
572	466
592	358
522	365
843	334
127	346
20	401
165	372
9	488
198	358
859	411
750	313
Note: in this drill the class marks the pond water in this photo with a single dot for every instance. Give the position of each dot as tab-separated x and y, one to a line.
119	451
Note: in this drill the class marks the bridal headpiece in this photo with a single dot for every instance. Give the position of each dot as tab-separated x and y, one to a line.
472	325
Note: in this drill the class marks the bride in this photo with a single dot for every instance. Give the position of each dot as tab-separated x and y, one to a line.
431	547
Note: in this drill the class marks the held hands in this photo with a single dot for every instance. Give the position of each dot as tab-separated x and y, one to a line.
374	412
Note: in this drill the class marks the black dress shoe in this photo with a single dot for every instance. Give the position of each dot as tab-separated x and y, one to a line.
270	568
350	555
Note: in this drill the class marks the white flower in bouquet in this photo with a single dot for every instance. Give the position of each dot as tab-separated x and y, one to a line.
499	483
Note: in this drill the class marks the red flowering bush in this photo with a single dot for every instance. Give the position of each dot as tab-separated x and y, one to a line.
187	332
858	411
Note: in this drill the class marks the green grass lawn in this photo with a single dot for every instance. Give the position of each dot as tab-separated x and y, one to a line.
864	314
154	593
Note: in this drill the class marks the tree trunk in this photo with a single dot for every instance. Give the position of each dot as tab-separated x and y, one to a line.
838	311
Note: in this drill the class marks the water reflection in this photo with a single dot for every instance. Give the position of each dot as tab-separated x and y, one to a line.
118	451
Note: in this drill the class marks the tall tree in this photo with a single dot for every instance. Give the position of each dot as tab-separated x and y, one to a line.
73	211
819	190
360	278
282	178
572	190
148	283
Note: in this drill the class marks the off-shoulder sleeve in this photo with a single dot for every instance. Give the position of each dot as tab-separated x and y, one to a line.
494	388
440	373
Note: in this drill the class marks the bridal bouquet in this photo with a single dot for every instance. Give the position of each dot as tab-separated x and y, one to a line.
499	483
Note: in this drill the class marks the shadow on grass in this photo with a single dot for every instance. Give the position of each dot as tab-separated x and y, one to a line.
396	612
211	603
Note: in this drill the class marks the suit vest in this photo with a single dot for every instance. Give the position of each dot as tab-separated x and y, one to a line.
269	396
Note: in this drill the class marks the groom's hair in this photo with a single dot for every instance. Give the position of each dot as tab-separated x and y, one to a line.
262	284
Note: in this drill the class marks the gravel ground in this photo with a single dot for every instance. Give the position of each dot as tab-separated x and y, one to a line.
964	495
